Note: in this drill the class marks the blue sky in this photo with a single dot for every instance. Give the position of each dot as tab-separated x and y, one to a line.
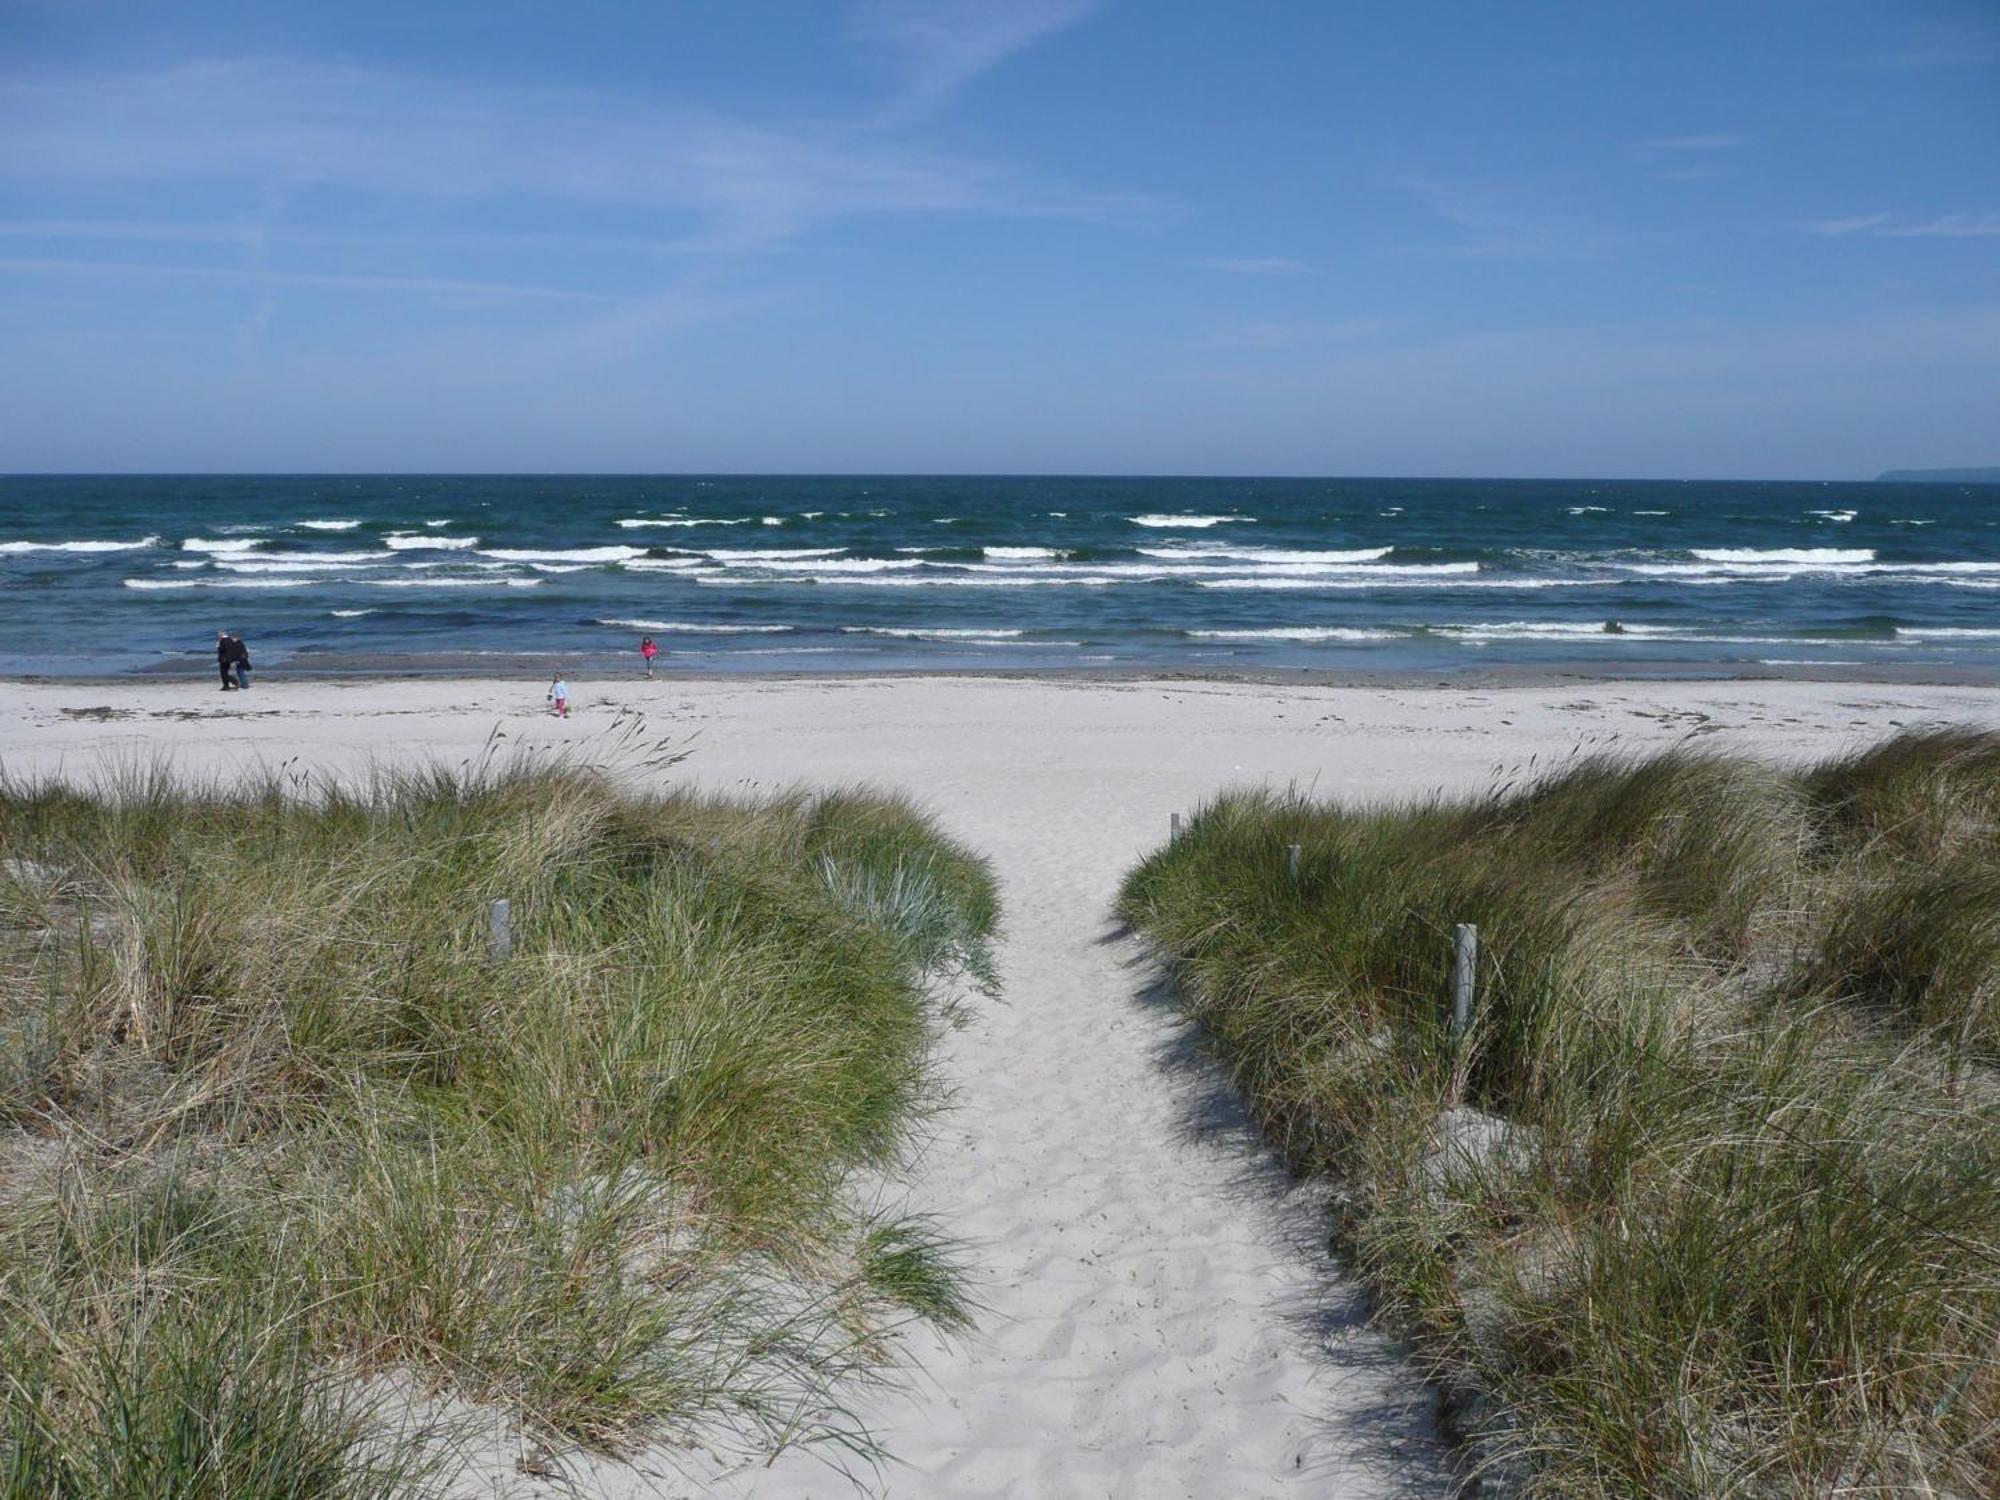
1747	239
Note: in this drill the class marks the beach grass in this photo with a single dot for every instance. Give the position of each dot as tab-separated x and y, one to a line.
281	1131
1706	1201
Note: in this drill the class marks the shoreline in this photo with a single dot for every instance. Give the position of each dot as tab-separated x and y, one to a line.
367	670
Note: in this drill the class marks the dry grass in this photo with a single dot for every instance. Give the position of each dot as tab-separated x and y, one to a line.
1706	1204
276	1121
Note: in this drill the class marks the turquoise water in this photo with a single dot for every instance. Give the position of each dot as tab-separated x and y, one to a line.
735	574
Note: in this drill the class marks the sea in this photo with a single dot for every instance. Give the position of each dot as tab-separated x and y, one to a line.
333	574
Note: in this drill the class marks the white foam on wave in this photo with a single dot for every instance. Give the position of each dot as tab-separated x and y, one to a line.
693	627
1491	582
569	555
937	633
832	564
349	614
404	541
1652	512
1566	630
238	561
225	583
1022	554
1835	515
1588	510
1270	554
768	554
435	524
1296	633
1785	554
231	544
903	581
262	565
450	583
1177	523
773	520
664	564
633	522
81	546
326	525
1946	633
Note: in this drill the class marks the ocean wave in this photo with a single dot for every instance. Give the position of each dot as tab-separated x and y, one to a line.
1835	515
1023	554
1179	523
450	583
835	564
404	541
231	544
1297	633
263	565
939	633
327	525
349	614
772	520
632	522
1269	554
767	554
236	560
1491	582
1784	554
693	627
1558	630
571	555
664	564
224	583
17	547
901	581
1946	633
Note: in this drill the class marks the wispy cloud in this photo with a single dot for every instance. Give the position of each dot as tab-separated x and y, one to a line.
1256	265
1496	219
275	126
1889	226
125	270
941	46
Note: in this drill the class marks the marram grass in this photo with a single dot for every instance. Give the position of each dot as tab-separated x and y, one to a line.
1708	1204
275	1124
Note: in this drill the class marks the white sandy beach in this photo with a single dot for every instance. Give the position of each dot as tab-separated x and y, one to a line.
1162	1318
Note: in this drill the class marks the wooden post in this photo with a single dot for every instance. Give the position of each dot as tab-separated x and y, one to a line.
1292	852
1175	832
500	928
1465	961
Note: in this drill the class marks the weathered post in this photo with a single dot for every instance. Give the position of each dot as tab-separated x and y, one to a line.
1464	963
1174	834
500	928
1292	852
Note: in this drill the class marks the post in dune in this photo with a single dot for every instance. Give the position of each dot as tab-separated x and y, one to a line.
1174	829
500	928
1292	853
1464	962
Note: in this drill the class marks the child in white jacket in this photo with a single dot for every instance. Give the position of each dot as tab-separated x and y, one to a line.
559	696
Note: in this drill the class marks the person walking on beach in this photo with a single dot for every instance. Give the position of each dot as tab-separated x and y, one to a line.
559	696
225	658
648	650
239	656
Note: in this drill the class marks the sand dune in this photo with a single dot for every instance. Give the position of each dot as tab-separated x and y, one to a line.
1162	1317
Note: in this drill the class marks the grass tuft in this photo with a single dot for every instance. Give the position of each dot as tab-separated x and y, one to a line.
1705	1204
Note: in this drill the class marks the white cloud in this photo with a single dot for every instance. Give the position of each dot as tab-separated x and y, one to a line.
1889	226
282	126
943	45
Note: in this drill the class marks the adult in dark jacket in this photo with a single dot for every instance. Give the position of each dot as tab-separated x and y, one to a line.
225	657
239	654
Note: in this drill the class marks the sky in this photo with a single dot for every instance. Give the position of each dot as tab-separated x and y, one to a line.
1705	238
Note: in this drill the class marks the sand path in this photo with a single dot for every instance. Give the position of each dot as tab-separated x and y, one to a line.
1162	1319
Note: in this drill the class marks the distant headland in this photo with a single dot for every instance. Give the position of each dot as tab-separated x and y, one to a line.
1939	476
